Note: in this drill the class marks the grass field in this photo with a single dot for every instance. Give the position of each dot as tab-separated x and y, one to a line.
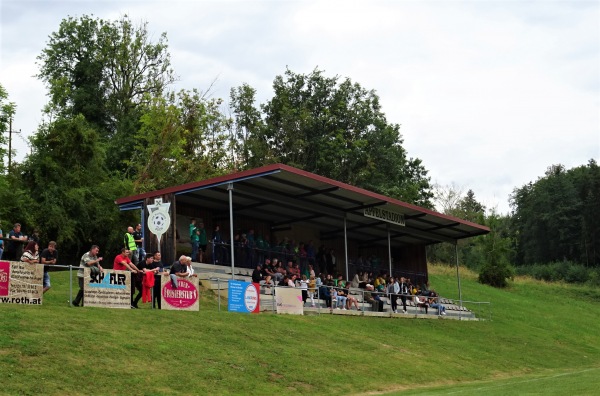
543	339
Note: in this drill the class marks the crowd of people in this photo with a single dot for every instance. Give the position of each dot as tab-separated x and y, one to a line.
336	291
301	269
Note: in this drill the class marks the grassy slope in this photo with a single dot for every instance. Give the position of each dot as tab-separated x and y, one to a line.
537	329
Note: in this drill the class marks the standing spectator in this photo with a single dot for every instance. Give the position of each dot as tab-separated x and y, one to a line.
89	259
202	242
130	245
30	254
218	248
194	239
138	237
304	288
404	291
393	290
123	263
159	269
48	257
144	267
13	249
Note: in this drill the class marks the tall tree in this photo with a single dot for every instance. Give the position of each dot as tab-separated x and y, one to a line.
72	193
104	70
332	127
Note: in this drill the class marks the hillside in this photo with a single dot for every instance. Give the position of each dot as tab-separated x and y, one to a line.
537	329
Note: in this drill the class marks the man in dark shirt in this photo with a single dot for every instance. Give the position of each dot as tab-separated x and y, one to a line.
257	274
139	242
48	257
179	269
160	269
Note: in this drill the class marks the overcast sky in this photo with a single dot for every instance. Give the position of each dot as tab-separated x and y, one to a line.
488	93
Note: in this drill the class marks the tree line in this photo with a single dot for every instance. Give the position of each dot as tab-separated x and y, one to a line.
113	127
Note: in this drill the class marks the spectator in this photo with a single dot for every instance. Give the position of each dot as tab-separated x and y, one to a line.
179	269
89	259
304	288
373	298
434	303
393	291
350	299
48	257
202	242
257	274
145	267
159	269
404	291
421	303
194	239
13	249
138	237
130	245
123	263
30	254
312	289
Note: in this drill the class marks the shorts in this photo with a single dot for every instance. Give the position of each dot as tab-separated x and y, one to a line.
47	280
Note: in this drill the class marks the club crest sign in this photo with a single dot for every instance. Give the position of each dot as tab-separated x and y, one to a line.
159	219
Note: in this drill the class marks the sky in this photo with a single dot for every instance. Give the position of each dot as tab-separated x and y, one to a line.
488	94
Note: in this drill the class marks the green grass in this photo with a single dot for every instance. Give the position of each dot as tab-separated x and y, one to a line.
541	335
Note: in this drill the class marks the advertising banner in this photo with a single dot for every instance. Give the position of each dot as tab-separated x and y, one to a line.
243	297
184	298
289	301
21	283
109	289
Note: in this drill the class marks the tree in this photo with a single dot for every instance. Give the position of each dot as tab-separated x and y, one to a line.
104	70
332	127
182	139
72	193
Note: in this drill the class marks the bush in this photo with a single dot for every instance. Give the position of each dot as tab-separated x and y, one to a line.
495	275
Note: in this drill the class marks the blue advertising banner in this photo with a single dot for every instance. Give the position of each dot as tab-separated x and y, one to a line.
243	297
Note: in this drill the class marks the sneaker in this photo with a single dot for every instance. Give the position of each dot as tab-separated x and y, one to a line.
444	313
395	311
345	309
405	311
134	307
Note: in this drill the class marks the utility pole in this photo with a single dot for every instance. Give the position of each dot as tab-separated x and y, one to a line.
10	132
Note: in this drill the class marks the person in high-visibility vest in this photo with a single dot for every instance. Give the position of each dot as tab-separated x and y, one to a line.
129	244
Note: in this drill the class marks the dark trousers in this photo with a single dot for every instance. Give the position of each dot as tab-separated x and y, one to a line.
79	298
394	298
403	298
156	293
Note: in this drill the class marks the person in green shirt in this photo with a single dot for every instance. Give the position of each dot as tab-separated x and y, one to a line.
195	239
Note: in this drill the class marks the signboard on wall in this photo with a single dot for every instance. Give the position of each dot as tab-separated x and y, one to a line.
183	298
289	301
386	215
108	289
243	297
21	283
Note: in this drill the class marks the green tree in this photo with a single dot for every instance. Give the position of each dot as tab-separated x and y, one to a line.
182	139
332	127
104	70
72	193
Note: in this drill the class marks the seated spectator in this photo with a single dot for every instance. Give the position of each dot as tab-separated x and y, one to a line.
434	303
421	303
284	281
350	299
341	297
373	298
325	294
30	254
257	274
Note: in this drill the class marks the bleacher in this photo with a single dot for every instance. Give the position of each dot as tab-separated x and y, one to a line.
216	277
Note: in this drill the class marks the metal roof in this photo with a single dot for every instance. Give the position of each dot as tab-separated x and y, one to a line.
284	195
